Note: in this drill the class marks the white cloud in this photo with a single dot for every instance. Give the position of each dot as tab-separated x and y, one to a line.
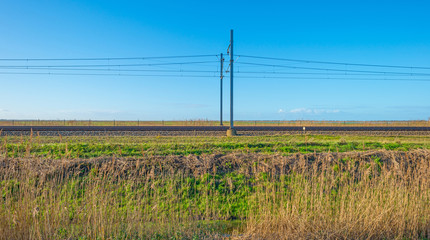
281	110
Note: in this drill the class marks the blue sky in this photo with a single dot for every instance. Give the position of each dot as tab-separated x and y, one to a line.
370	32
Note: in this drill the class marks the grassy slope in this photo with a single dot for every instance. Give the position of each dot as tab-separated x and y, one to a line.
86	147
168	187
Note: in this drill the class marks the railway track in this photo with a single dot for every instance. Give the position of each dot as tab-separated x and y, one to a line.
206	129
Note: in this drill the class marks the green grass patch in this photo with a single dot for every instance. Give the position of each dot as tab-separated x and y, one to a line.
89	147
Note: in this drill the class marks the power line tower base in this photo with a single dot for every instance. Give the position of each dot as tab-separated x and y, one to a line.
231	132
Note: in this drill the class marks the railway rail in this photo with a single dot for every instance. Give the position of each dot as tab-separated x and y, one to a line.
208	129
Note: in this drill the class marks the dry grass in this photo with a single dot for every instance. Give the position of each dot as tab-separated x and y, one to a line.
355	195
380	201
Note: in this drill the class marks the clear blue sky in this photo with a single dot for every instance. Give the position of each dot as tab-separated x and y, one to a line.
370	32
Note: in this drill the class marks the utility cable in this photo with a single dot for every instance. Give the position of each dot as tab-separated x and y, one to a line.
105	59
336	63
331	78
107	74
106	65
322	69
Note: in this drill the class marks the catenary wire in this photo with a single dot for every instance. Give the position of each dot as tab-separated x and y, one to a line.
212	76
107	65
105	59
321	69
334	74
106	74
331	78
116	69
215	71
336	63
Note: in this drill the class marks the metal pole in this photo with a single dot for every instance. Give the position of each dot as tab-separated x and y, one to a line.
220	90
231	79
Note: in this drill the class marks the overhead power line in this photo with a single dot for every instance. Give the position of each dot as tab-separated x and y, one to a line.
106	59
106	74
336	63
338	78
214	76
330	73
211	55
323	69
102	65
114	70
120	69
216	72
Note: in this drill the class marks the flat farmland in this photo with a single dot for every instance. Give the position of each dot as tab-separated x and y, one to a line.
215	187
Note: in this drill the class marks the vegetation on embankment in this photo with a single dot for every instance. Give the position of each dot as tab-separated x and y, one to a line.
89	147
359	195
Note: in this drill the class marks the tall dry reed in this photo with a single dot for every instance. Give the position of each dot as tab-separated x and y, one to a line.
367	195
